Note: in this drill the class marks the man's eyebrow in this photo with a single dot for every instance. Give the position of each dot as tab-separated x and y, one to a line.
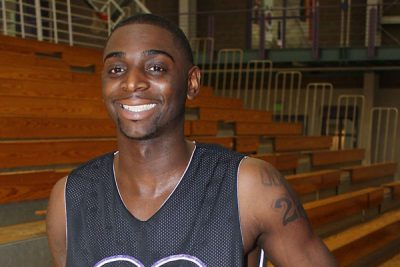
114	54
156	51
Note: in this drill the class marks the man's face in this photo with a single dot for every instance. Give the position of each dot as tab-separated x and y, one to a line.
145	79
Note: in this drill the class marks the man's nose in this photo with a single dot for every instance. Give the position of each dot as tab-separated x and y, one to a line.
135	80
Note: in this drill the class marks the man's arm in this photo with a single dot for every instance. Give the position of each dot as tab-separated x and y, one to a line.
56	224
274	219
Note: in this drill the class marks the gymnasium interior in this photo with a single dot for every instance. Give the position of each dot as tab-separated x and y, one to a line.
310	86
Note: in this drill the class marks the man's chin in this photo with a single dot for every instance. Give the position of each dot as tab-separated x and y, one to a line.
138	130
138	136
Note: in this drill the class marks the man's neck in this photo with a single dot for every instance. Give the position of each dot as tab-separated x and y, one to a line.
147	172
147	161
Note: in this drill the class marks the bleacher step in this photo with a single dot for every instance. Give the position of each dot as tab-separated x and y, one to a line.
24	245
370	235
20	212
19	232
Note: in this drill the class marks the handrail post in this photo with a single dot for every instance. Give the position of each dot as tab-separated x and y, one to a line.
38	14
54	9
4	15
109	26
21	17
71	41
142	7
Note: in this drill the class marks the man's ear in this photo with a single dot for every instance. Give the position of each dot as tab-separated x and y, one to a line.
193	82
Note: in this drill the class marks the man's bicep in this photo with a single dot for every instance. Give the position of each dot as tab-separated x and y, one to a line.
297	249
268	205
284	205
284	222
287	237
56	223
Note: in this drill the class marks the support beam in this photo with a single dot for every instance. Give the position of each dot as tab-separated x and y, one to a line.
371	86
187	19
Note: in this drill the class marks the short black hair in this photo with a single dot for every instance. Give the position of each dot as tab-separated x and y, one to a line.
161	22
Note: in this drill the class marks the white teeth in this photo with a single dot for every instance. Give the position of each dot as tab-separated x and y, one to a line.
138	108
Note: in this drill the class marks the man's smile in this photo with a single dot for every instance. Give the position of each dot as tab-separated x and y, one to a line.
138	108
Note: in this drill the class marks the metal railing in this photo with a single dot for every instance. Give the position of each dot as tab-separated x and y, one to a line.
316	26
286	96
286	26
258	80
383	134
228	73
349	121
203	56
58	21
317	108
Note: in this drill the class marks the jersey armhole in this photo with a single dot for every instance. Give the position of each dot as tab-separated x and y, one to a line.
237	197
66	217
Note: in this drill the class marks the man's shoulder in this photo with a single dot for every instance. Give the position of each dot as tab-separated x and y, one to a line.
257	175
257	167
217	150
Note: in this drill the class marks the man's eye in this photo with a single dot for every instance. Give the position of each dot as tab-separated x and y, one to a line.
156	68
116	70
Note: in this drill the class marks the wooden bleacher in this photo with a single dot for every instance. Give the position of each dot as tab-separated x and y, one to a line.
17	154
214	101
53	89
302	143
283	162
362	173
314	182
17	59
11	106
222	114
43	137
367	244
198	127
40	127
71	55
227	142
19	232
333	209
17	186
334	157
268	128
34	73
394	188
247	144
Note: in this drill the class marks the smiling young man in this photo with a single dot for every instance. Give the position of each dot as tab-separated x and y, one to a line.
161	200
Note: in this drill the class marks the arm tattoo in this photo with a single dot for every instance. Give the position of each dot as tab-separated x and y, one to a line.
293	209
272	178
289	203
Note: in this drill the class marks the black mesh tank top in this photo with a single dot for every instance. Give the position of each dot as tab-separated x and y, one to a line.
198	225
